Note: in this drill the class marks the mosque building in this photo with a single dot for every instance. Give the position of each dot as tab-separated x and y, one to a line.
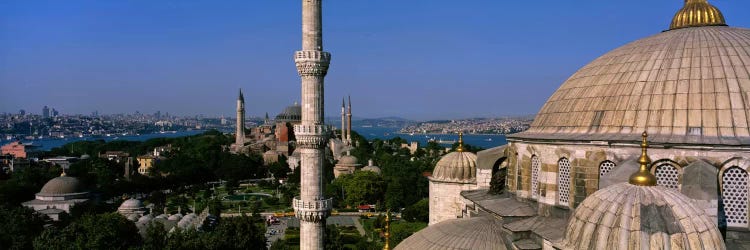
568	182
58	196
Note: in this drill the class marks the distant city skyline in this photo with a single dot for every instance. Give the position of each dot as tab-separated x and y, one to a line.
419	60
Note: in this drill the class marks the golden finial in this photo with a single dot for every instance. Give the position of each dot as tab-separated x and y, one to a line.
387	230
697	13
643	177
63	173
460	142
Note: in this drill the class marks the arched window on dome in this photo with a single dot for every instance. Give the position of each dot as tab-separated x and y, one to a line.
605	167
734	196
535	166
563	181
668	175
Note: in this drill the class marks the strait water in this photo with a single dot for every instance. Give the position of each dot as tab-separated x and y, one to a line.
50	143
484	141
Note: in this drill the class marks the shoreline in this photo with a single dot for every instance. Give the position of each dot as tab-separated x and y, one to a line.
415	134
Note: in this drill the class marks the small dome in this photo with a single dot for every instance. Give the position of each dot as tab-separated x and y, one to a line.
475	233
175	217
145	219
626	216
371	167
458	166
132	204
290	114
348	160
697	13
62	185
270	152
162	216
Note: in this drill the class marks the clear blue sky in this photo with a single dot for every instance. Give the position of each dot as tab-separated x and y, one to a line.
419	59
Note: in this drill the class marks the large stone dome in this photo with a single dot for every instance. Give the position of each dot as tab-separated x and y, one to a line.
626	216
62	185
687	85
131	204
290	114
459	166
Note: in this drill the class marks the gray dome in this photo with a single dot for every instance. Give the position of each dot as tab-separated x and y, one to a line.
626	216
62	185
131	204
371	167
682	86
456	167
348	160
175	217
290	114
477	233
145	219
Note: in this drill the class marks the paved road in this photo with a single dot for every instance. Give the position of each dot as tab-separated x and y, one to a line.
278	232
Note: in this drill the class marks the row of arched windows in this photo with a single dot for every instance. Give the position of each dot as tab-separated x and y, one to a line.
734	185
563	179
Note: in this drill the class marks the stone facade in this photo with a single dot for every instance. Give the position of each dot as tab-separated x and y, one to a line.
446	202
311	207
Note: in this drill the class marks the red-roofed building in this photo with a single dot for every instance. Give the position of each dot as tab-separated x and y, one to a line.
16	149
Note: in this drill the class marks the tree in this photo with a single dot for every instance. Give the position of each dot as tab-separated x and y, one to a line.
19	227
100	231
417	212
156	237
361	187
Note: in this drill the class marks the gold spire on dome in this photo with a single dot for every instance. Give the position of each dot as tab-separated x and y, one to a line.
63	173
697	13
387	230
460	142
643	177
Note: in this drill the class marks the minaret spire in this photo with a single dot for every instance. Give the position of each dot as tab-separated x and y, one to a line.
239	139
343	119
311	207
349	122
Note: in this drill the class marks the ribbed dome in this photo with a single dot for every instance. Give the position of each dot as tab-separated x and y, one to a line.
290	114
697	13
625	216
133	217
476	233
456	167
676	84
62	185
371	167
132	204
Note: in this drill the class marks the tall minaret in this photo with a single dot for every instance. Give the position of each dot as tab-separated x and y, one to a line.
311	208
240	133
349	123
343	119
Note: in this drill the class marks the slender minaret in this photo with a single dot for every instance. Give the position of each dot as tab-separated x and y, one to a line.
240	134
349	123
343	119
311	208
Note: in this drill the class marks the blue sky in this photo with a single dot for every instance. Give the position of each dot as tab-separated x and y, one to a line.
419	59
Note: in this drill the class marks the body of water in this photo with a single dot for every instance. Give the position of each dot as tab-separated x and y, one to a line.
50	143
484	141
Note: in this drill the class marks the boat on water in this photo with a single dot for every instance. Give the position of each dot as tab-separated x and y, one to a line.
446	141
367	126
488	139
